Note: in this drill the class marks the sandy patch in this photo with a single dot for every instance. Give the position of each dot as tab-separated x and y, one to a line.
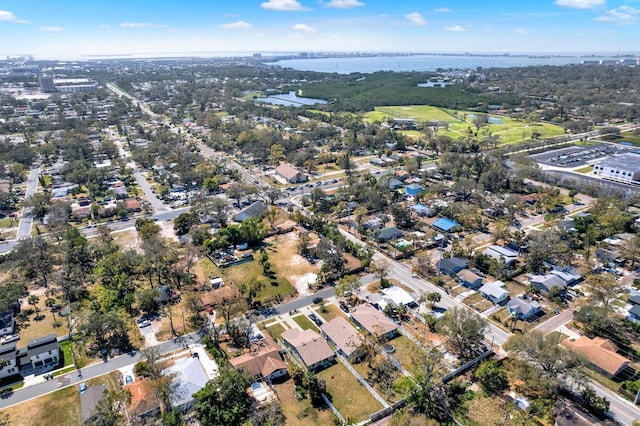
302	283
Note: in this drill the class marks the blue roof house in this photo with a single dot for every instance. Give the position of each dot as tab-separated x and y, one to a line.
413	189
445	224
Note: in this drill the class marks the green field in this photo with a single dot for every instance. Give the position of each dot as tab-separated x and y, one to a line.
461	123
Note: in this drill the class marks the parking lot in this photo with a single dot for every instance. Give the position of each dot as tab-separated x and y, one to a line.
577	156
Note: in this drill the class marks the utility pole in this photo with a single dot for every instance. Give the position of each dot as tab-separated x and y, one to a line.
440	259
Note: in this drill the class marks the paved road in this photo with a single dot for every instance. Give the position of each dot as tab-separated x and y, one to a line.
93	370
26	219
403	274
553	323
304	301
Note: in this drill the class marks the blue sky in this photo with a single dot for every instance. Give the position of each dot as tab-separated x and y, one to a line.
50	28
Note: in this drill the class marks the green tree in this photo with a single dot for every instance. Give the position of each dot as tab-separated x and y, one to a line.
463	331
276	154
603	288
147	300
347	285
224	401
183	223
491	376
542	363
434	298
33	300
110	410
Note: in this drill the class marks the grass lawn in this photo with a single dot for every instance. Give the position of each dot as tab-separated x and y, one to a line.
301	413
585	170
460	123
363	369
205	268
405	354
329	311
59	408
285	261
276	331
110	380
473	299
487	410
305	323
66	352
628	137
351	399
32	329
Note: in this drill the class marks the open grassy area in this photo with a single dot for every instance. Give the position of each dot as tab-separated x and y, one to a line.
301	413
585	169
276	331
353	401
205	268
461	123
110	380
329	311
60	408
305	323
627	137
285	261
33	327
66	352
487	411
405	354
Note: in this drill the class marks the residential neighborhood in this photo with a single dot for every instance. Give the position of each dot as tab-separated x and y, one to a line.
178	250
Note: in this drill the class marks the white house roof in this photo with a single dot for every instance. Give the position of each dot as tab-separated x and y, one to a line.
189	378
497	251
494	289
398	296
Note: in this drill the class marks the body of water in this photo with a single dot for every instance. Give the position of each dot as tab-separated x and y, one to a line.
492	120
421	63
290	99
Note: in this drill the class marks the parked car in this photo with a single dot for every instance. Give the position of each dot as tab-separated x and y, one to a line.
317	300
145	323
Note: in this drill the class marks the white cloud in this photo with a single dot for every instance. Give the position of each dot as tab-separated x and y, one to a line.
105	27
344	4
442	10
239	25
623	15
455	28
141	25
520	31
6	16
581	4
415	19
50	29
302	28
283	5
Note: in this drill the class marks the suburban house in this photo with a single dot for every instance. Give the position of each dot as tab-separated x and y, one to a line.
188	378
344	336
634	300
394	184
445	224
255	209
495	292
452	265
422	210
503	254
6	322
469	279
523	309
374	321
609	254
290	173
413	189
634	314
9	367
310	348
143	400
569	276
398	296
42	355
544	283
264	364
373	223
601	353
387	234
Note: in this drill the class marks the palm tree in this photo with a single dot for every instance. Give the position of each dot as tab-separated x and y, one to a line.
49	303
33	301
